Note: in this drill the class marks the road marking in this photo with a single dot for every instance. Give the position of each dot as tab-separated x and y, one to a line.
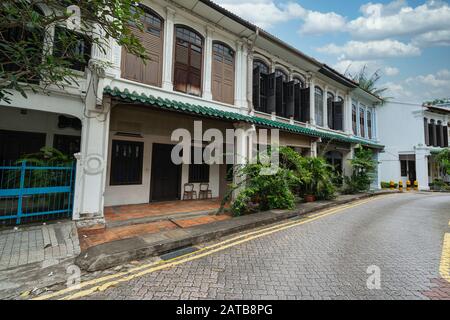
152	267
444	267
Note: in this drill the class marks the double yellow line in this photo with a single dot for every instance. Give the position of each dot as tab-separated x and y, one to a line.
103	283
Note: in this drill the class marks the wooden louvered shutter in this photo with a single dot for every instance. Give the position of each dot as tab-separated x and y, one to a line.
271	97
181	66
228	79
297	102
290	99
445	136
217	78
330	114
195	71
305	104
338	115
279	86
257	88
151	38
430	134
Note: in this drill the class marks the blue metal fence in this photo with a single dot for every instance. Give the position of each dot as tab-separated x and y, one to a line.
31	192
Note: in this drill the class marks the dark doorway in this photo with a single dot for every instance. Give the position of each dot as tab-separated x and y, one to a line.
68	145
15	144
412	171
166	176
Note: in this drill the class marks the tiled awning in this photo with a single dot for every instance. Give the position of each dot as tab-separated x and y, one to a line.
134	97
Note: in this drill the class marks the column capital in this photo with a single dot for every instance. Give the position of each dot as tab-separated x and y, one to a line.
170	12
209	31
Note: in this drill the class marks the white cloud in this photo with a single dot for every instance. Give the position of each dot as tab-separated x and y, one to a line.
370	50
432	39
421	88
391	71
316	23
263	13
381	21
266	13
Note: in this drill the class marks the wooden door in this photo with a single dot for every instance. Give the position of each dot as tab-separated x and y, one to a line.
166	176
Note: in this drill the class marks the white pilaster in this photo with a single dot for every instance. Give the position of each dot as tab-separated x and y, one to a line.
249	89
325	107
207	74
422	156
348	114
312	101
169	33
91	166
239	76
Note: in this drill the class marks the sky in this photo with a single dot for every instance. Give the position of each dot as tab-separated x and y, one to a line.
407	41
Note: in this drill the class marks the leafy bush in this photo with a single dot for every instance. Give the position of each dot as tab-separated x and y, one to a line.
296	175
363	169
443	158
264	192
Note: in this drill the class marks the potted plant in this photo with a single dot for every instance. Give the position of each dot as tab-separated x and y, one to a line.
319	182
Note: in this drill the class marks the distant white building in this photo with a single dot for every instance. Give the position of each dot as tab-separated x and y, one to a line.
412	136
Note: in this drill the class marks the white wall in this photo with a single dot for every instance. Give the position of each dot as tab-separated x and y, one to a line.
401	130
154	127
33	121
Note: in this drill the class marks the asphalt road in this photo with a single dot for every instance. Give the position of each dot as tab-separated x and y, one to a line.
393	243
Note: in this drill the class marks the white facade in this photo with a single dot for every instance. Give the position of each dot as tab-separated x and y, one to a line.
105	119
403	132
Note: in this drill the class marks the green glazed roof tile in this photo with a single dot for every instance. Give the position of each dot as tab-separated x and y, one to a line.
234	116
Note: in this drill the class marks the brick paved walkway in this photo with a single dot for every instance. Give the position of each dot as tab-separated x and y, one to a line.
325	259
45	243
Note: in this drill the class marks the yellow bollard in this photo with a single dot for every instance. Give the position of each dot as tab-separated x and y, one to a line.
392	185
408	185
400	186
416	185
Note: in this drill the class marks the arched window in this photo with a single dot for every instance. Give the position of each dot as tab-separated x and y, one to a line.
318	105
439	134
432	132
300	81
354	119
152	38
362	122
446	135
223	73
426	131
263	67
281	73
260	72
369	124
188	61
330	110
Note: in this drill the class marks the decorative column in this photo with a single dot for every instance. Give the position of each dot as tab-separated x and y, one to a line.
312	101
422	158
238	75
207	74
249	89
91	166
325	107
348	114
169	33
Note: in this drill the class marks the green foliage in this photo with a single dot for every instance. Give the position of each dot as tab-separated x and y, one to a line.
264	192
27	43
47	156
296	175
369	82
387	185
439	185
363	167
438	101
443	158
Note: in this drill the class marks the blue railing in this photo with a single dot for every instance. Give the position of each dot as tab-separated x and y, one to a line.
35	193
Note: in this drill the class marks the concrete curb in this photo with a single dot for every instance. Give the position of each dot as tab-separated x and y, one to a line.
118	252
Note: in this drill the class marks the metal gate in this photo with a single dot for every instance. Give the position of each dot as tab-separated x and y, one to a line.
32	192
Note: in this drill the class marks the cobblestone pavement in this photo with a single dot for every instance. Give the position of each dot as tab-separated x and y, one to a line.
327	258
44	243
